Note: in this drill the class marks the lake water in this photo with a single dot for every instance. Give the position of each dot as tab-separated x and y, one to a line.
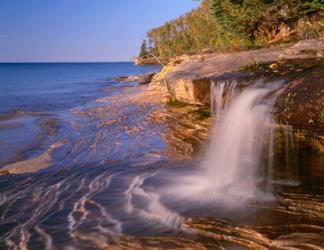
30	91
38	87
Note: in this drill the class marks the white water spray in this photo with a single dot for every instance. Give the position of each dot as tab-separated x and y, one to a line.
238	166
236	163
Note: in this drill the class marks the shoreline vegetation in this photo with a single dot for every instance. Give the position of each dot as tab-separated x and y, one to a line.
232	26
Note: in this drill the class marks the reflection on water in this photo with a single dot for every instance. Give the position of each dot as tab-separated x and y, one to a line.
11	132
36	100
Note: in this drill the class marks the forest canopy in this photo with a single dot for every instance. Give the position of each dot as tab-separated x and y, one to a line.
220	25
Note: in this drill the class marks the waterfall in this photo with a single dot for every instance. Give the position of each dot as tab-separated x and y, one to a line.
237	167
220	101
239	161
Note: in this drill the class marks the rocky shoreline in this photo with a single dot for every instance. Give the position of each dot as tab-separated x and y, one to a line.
188	79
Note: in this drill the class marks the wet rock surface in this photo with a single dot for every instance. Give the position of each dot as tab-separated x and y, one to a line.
187	129
141	79
301	104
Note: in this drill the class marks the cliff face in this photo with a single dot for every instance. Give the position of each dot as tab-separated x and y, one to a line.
300	67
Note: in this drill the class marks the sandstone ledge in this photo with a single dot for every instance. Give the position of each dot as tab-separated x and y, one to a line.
300	66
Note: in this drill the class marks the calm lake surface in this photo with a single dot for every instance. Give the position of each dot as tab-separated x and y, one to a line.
37	87
34	95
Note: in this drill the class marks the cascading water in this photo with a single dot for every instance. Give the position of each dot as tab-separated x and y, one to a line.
239	160
238	165
219	101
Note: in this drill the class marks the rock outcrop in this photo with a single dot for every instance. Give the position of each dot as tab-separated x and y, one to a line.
300	66
182	77
146	78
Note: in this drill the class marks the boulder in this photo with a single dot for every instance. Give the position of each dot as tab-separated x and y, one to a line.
146	78
126	79
141	79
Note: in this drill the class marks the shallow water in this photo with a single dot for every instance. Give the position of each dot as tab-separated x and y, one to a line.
105	181
37	100
107	205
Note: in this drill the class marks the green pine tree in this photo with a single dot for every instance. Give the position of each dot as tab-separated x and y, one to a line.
143	50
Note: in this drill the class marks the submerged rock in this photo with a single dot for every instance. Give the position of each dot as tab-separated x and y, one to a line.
34	164
141	79
125	79
4	172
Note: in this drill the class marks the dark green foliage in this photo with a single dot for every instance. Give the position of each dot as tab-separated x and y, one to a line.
312	6
259	21
143	50
191	32
220	25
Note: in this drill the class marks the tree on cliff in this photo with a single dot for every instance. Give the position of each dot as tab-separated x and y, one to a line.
194	31
143	50
237	25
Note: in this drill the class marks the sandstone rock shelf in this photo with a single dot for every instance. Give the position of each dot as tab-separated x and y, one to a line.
188	79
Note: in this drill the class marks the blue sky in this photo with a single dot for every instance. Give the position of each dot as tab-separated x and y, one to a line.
80	30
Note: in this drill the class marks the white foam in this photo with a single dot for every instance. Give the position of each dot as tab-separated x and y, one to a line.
234	169
155	210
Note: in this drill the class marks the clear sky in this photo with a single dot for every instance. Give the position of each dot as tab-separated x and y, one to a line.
80	30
